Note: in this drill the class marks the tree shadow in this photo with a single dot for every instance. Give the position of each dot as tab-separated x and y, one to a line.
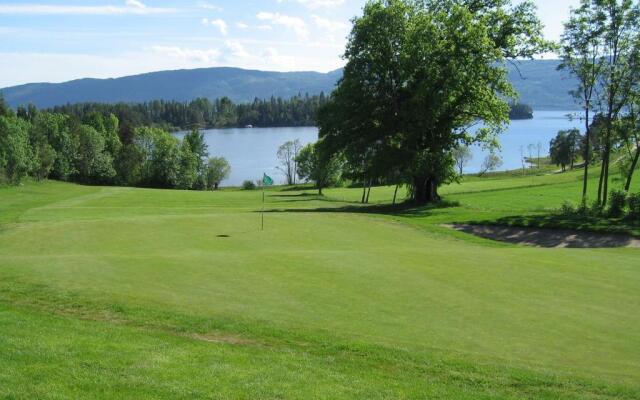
298	188
294	195
406	209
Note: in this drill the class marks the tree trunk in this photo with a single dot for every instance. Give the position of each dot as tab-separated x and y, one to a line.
364	190
425	190
319	190
368	193
587	155
600	182
605	191
627	185
395	195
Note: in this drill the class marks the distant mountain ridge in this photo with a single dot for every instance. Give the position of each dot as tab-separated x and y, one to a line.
538	82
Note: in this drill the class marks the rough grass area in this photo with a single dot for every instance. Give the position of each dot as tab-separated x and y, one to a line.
131	293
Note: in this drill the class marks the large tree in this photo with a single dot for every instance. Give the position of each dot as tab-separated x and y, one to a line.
619	22
15	152
565	147
601	48
218	169
462	155
317	165
287	154
419	75
581	53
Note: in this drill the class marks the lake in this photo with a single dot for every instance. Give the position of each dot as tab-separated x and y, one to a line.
252	152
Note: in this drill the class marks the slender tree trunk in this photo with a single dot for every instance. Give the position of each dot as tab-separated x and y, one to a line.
605	188
634	164
319	190
368	192
364	189
395	195
601	181
587	156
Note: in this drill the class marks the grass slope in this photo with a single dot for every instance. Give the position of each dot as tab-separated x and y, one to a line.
130	293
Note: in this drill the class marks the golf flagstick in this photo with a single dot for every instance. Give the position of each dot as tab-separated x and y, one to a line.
266	181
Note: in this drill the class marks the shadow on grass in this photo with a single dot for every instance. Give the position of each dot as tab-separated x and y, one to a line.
406	209
298	195
298	188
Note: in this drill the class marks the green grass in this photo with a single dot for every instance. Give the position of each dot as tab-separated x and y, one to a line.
130	293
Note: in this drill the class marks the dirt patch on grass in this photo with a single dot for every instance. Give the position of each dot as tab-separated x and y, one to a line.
550	238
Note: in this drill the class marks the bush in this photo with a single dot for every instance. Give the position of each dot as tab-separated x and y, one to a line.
617	202
248	185
567	209
633	200
583	208
595	209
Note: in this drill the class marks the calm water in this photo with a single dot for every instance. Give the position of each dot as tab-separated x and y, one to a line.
252	152
541	129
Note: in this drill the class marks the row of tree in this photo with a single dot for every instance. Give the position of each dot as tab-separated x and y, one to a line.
98	150
202	113
421	73
601	47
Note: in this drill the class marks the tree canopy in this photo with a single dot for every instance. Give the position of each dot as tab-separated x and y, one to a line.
419	75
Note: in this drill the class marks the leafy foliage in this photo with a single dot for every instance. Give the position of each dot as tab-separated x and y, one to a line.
520	111
218	169
418	76
248	185
314	164
98	150
203	113
491	162
565	148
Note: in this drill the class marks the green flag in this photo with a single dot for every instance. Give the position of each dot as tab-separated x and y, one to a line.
266	180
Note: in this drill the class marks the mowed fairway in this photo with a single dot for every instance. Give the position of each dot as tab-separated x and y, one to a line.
131	293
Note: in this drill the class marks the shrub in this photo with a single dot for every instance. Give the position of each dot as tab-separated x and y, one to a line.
583	208
248	185
567	209
617	202
633	200
595	209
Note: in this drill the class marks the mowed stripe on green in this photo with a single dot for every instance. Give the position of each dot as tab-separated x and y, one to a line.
317	276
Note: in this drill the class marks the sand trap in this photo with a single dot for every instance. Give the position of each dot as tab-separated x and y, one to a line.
550	238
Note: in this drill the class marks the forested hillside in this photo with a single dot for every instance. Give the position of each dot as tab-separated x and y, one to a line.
538	82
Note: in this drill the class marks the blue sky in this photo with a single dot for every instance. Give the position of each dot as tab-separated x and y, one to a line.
58	40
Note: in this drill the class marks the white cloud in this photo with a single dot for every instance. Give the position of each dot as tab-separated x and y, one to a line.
318	3
273	57
294	23
333	28
218	23
130	7
241	25
209	6
329	25
25	67
135	3
236	49
207	56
